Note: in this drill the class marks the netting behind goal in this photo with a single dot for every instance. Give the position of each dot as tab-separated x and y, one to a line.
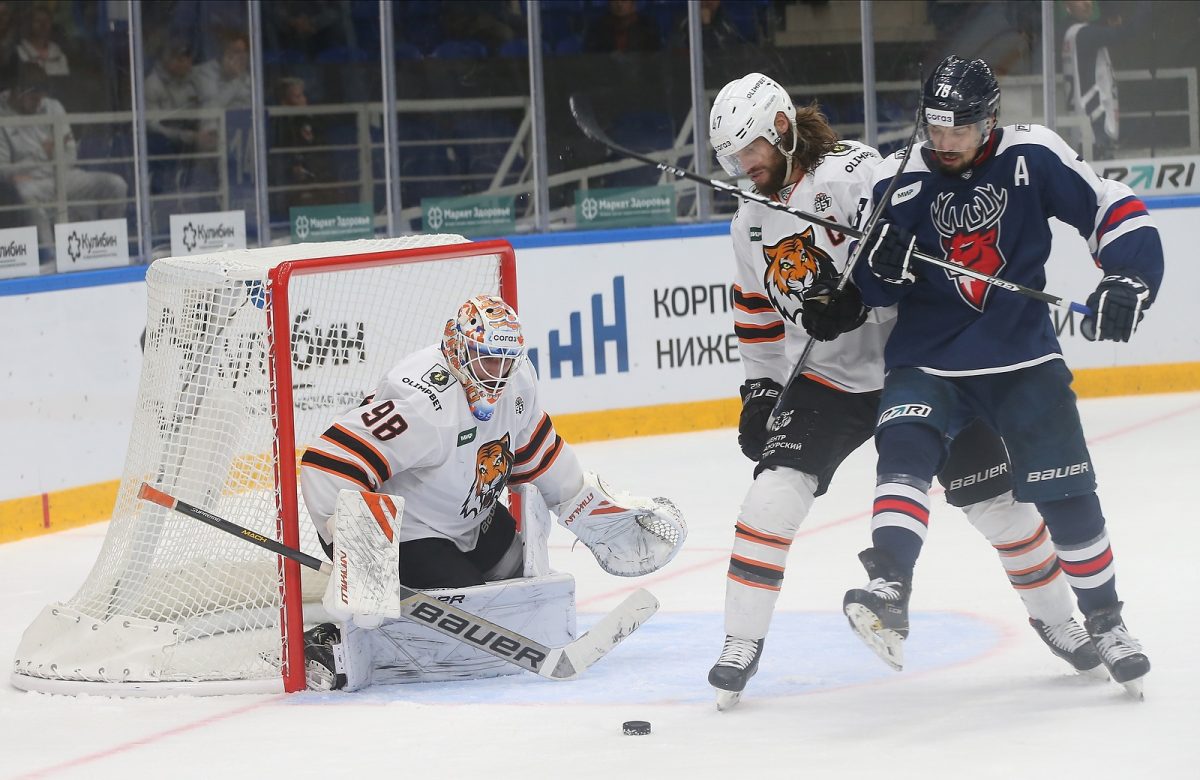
249	355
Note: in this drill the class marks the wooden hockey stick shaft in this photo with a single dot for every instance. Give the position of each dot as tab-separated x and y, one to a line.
553	663
587	123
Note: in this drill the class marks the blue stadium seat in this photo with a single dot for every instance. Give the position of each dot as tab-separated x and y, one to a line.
340	55
644	130
407	51
460	50
569	44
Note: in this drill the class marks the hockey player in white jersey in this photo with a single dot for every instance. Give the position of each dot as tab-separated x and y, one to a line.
447	430
785	290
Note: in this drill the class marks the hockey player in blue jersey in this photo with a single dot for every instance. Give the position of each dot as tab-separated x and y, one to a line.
980	196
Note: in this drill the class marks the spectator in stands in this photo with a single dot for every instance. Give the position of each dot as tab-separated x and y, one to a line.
8	45
174	85
225	82
299	165
621	29
1091	81
30	154
37	47
308	26
715	30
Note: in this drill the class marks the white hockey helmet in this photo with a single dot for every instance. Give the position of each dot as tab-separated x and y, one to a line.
483	346
744	110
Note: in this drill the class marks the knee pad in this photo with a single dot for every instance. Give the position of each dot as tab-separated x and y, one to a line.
778	501
1002	519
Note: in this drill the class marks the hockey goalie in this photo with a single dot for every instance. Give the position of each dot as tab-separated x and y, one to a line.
408	485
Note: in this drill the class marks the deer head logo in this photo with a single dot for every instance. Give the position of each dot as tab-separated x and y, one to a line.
971	237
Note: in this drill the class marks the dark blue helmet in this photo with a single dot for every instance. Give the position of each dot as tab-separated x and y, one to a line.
967	89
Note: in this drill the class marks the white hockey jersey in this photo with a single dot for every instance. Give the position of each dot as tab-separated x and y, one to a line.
780	256
416	438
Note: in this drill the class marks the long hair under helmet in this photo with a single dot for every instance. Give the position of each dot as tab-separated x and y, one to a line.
960	93
744	110
483	346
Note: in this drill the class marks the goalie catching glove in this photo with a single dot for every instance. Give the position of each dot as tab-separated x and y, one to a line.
629	536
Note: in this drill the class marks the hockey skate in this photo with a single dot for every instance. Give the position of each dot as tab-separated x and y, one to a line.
735	667
1121	653
321	647
878	613
1069	641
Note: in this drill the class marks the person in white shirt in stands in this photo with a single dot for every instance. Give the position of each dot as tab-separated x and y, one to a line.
37	48
28	157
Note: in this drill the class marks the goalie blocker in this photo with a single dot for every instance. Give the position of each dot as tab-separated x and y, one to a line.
629	536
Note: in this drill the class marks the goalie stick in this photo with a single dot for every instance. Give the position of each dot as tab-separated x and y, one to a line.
586	121
552	663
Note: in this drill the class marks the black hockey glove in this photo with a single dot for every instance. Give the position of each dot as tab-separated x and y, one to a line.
828	313
758	399
1119	302
889	251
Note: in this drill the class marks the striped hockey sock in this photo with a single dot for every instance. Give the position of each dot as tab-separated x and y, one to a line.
755	576
900	519
1090	571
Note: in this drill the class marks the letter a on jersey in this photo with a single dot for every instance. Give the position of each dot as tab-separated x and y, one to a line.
971	237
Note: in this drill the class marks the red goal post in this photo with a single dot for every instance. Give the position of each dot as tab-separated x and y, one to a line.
249	354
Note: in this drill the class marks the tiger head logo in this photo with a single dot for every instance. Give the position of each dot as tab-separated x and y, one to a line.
793	265
493	463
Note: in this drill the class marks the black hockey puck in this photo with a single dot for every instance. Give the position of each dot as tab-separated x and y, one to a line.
635	728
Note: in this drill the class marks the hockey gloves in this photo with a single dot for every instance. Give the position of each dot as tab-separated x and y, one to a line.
888	250
758	399
828	312
1119	303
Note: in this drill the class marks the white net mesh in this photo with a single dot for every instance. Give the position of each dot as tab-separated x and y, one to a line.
204	432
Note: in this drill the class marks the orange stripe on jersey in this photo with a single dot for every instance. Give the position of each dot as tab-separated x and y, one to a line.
751	303
749	534
752	562
825	382
542	467
360	482
360	447
749	584
383	509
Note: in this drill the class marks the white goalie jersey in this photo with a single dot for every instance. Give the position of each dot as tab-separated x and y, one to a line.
780	256
416	438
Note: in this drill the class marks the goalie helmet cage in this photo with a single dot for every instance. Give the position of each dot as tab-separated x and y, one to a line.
249	354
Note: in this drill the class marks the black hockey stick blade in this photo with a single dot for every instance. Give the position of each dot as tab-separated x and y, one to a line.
552	663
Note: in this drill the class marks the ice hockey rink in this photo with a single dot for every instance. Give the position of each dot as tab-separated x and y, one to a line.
980	695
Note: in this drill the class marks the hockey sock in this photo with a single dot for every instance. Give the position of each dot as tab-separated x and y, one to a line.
1023	543
1077	526
900	518
774	507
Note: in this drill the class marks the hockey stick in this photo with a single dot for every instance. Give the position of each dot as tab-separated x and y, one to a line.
587	123
553	663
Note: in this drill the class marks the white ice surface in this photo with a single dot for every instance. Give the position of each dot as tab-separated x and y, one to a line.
981	696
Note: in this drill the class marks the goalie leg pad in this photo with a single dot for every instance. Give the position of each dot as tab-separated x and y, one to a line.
403	651
365	584
1027	553
777	502
628	535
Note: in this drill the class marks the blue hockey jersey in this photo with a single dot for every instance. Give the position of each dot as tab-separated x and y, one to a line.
994	218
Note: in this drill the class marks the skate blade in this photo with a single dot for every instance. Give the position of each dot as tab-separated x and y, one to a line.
1134	690
1097	672
884	642
726	700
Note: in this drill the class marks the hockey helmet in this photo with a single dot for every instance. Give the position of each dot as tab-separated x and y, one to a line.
744	111
483	346
960	102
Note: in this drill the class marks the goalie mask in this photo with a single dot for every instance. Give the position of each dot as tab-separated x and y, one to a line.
483	346
743	112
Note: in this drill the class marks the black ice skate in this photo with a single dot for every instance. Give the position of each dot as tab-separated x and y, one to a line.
1069	641
1121	653
878	613
321	645
735	667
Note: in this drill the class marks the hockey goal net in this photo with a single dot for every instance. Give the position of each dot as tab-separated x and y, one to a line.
249	355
